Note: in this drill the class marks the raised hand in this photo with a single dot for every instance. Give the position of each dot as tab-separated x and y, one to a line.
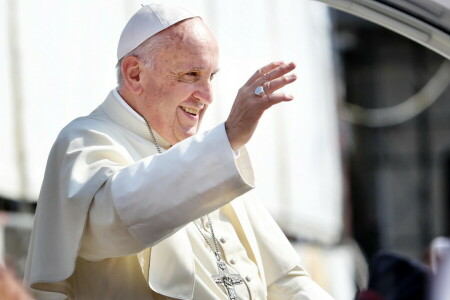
248	107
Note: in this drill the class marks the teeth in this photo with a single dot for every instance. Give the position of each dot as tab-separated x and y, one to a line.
189	110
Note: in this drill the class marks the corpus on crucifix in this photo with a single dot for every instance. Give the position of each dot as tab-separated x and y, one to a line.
226	278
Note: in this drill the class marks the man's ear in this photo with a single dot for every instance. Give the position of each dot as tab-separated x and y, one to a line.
131	74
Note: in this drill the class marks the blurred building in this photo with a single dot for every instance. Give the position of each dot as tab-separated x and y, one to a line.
396	133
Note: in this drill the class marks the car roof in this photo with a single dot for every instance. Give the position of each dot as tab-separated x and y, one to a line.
425	21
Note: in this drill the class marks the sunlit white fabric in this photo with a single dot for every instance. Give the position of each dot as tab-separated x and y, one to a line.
112	215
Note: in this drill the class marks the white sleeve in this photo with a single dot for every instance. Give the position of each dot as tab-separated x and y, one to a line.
296	285
154	197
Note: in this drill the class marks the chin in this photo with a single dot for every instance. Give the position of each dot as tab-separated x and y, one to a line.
187	134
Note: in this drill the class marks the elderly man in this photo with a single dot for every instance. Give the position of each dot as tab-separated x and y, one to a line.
136	205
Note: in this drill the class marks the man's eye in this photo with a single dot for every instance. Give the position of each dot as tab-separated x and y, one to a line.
189	76
192	75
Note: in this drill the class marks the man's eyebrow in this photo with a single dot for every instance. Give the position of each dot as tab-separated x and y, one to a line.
194	68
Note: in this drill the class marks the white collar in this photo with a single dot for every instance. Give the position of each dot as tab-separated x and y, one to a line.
127	106
120	102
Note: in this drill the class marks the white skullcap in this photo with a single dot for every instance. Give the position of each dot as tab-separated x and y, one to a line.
148	21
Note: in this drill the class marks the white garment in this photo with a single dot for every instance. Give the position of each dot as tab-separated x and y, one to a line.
141	204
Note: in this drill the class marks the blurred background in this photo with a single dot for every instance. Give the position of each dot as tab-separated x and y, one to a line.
357	163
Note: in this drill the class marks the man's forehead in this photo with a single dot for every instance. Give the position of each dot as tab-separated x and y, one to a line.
180	63
190	44
187	31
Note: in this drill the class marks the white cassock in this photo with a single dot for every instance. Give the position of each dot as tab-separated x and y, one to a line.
114	218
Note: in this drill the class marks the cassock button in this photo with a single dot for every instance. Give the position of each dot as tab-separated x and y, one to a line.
232	261
223	240
248	278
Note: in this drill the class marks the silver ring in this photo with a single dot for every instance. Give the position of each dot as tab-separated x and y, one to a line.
259	91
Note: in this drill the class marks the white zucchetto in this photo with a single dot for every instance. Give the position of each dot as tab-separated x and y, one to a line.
148	21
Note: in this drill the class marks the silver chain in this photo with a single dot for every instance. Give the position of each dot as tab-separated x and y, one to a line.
153	137
223	277
217	252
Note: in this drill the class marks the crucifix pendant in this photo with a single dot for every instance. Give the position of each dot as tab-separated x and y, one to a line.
226	278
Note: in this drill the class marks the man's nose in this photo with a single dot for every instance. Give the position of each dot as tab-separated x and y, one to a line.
204	92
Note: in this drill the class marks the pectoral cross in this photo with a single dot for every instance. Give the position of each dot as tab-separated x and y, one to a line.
226	278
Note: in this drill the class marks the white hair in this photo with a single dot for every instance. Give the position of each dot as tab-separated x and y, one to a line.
146	52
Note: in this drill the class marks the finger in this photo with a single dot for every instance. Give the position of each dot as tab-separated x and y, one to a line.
277	72
276	84
272	99
260	72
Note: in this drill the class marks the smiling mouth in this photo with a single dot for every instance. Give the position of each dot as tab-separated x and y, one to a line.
191	111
